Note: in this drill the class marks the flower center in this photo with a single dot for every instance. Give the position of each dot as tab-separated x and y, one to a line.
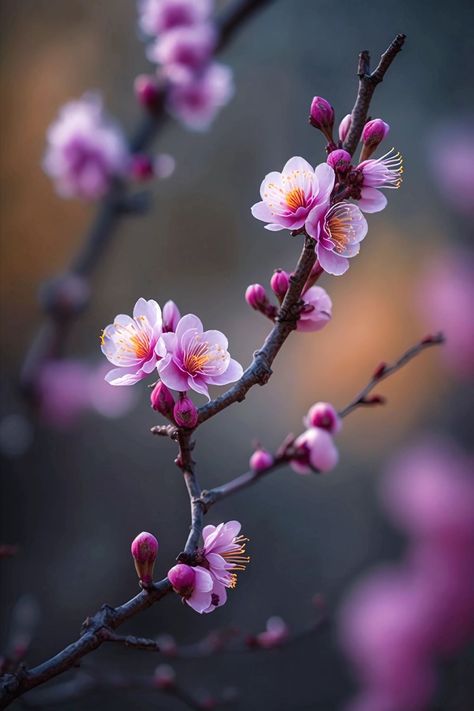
339	226
295	198
141	344
195	361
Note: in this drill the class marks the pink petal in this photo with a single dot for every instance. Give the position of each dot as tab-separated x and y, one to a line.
372	200
200	601
274	227
261	211
234	372
123	376
332	263
326	176
203	581
198	385
297	163
187	322
216	338
171	375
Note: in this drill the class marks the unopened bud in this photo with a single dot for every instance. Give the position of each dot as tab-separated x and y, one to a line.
256	296
185	413
164	677
279	283
147	91
339	160
322	116
144	551
373	134
344	127
323	415
182	578
261	460
379	371
141	168
162	400
171	317
375	400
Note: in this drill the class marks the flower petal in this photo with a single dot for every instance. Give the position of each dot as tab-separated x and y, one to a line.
123	376
234	372
187	322
172	376
261	211
372	200
332	263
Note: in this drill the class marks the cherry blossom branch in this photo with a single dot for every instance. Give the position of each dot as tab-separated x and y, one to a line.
367	82
286	452
65	297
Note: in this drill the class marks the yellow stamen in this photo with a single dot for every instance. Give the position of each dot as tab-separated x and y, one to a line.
295	198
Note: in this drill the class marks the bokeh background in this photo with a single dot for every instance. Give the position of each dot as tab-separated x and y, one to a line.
73	498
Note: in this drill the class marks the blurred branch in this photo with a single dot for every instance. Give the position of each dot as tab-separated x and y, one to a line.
50	338
367	83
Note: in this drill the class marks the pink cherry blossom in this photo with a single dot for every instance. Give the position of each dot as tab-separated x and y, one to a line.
324	415
451	155
316	450
385	172
317	310
184	51
85	150
157	16
276	633
194	584
196	358
197	102
295	195
133	344
338	232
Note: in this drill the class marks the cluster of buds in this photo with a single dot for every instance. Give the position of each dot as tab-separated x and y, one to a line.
316	309
184	39
314	449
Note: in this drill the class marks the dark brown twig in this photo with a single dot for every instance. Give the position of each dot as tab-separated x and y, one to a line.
367	83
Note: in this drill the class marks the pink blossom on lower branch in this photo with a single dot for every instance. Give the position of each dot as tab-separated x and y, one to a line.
197	101
317	310
276	633
85	150
315	449
133	344
196	358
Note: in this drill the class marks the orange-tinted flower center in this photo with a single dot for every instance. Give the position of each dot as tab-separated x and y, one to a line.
295	198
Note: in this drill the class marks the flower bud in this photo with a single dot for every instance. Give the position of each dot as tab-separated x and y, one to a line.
256	296
322	116
182	579
147	91
373	134
260	460
315	452
339	160
171	317
279	283
344	127
164	677
185	413
323	415
144	551
162	400
141	168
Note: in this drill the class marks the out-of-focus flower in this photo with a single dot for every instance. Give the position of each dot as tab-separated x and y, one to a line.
344	127
197	102
338	232
141	167
144	551
324	415
317	310
276	633
133	344
196	358
147	91
182	52
298	194
171	316
322	116
164	166
164	677
261	460
445	295
316	452
372	135
185	413
385	172
157	16
85	150
451	155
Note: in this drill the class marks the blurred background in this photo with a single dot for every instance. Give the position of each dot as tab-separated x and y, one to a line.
73	497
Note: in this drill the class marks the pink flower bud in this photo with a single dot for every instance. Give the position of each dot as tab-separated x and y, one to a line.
339	160
144	551
147	91
279	283
164	677
323	415
162	400
322	116
373	134
344	127
256	296
171	316
185	413
260	460
141	168
182	578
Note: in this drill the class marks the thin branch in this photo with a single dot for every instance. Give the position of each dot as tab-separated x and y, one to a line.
51	336
144	643
385	370
367	83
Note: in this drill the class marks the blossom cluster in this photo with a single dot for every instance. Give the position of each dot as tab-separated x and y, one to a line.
316	200
400	620
184	39
87	152
178	349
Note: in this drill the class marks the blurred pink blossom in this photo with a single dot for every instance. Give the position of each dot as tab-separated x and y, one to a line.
451	155
276	633
157	16
85	150
197	102
317	310
184	51
316	450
